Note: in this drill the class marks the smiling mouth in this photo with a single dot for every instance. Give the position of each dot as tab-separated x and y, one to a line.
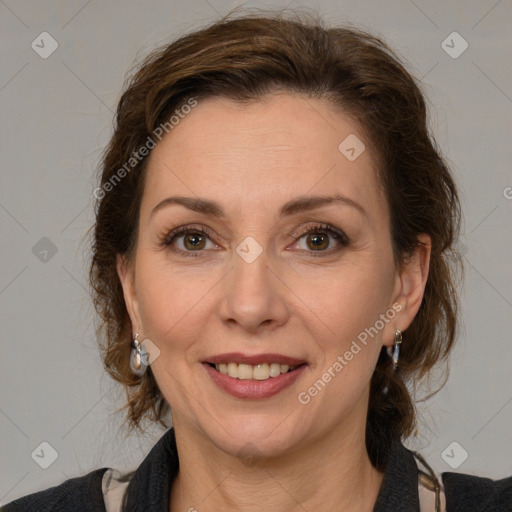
263	371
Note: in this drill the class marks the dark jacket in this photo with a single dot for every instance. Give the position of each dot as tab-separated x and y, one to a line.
149	487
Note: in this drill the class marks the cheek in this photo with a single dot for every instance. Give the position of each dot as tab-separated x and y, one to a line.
351	306
348	331
351	297
170	302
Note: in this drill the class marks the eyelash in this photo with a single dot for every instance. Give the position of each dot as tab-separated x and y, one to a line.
322	228
184	230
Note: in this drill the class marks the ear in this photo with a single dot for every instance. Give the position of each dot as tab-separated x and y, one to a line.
410	286
126	273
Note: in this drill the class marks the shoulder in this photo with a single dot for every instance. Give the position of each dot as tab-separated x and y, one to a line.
83	493
468	493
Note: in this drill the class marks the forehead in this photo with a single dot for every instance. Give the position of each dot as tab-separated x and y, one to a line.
262	154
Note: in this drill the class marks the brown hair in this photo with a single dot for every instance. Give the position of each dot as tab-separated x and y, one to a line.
244	59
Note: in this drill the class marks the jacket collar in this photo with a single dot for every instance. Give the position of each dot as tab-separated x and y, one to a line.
150	486
399	489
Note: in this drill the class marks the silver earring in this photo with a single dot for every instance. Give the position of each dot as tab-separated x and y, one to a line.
138	358
396	348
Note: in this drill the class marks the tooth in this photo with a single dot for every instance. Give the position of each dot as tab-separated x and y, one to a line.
244	371
261	372
275	370
233	370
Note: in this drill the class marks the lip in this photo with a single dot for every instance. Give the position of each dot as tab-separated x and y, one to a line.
238	358
254	389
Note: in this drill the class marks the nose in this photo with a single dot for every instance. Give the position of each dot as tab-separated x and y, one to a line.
253	297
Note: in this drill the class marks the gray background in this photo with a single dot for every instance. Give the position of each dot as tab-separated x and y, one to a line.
56	116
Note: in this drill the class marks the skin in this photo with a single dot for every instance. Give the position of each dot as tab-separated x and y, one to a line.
252	159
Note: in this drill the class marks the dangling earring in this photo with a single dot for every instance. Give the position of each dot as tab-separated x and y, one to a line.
138	358
396	348
394	354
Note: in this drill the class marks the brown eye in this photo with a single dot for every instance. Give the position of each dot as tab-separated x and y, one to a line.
190	241
194	241
317	241
321	240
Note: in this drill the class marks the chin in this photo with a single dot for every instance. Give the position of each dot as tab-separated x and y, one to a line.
263	437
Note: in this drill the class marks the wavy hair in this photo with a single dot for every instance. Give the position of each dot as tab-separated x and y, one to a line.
245	58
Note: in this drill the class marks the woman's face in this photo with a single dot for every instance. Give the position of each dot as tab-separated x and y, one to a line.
268	272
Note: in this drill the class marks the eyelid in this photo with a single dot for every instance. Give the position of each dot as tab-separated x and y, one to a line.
320	227
168	238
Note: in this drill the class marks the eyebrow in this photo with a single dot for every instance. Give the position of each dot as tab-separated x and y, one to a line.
300	204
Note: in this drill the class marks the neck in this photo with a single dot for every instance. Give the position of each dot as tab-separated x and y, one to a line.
333	473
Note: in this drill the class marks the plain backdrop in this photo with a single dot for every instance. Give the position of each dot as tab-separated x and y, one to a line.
56	117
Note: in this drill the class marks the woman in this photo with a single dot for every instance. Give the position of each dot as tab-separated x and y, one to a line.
273	262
